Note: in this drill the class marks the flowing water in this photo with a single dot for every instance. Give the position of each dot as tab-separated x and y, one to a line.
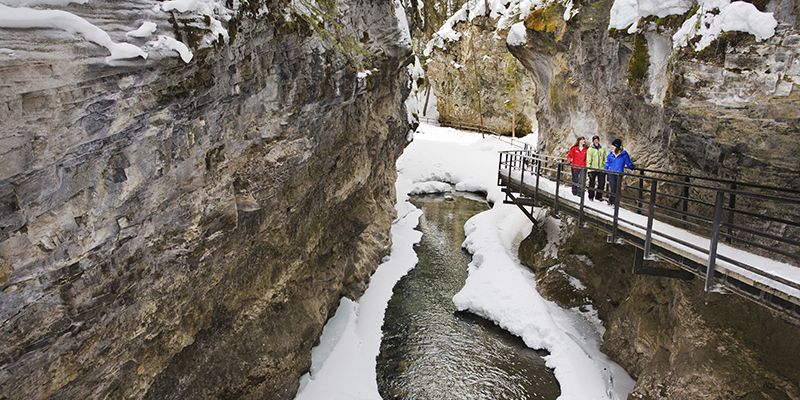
430	350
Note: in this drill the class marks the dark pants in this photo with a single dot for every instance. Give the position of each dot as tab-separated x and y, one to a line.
613	181
597	179
577	174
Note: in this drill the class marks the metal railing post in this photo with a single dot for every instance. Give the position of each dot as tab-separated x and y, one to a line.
712	251
685	199
617	201
500	169
558	183
650	214
641	191
522	172
538	175
583	194
732	206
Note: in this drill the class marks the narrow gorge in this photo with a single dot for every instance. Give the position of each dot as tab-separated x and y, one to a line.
187	188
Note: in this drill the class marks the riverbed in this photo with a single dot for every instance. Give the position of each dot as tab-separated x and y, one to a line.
430	350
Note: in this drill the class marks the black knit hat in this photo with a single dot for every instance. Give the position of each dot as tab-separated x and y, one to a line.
617	143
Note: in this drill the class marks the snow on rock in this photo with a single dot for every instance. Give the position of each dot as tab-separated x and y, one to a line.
212	9
725	17
712	18
518	35
506	12
419	98
32	3
147	29
166	42
27	18
402	23
430	187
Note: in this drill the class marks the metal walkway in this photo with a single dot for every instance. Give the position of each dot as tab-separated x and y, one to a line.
748	235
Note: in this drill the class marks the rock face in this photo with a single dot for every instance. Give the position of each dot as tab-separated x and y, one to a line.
676	340
728	111
478	82
176	231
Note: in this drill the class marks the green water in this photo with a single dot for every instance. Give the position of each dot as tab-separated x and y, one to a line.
431	351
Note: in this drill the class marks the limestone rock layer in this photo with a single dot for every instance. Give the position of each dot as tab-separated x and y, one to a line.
176	230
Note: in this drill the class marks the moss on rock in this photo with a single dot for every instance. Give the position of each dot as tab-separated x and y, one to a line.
638	63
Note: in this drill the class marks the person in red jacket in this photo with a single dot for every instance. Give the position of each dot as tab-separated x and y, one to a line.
577	157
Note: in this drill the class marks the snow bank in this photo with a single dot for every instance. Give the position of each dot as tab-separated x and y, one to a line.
343	364
497	288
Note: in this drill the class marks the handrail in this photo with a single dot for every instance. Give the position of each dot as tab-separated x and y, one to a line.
726	181
713	209
477	128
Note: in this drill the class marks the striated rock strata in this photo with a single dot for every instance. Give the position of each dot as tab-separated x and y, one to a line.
178	230
679	342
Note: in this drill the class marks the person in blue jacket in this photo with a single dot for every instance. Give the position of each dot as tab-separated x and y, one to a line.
616	161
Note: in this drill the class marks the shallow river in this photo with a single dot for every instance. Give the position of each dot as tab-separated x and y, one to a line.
429	349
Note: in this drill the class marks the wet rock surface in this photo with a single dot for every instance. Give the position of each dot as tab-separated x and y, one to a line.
174	230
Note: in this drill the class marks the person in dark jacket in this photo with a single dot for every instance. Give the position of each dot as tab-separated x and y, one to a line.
577	157
616	161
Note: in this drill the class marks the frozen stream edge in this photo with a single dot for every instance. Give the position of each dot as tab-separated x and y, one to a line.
498	287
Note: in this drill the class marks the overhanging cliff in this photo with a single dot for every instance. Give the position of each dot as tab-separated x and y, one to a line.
183	230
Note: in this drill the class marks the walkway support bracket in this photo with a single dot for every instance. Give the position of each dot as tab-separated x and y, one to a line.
521	202
639	269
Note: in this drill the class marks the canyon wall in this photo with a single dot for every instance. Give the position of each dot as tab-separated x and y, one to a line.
176	230
730	110
478	82
678	341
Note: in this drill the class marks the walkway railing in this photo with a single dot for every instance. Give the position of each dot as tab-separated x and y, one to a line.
755	218
476	128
